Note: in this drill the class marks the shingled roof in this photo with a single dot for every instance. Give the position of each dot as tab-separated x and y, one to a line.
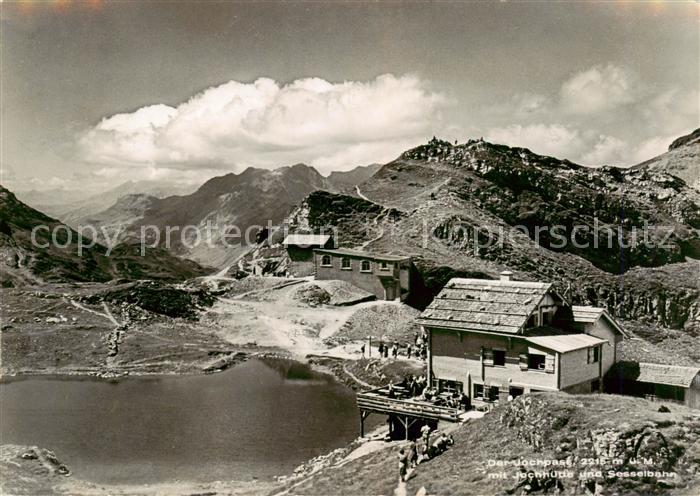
667	374
484	305
590	315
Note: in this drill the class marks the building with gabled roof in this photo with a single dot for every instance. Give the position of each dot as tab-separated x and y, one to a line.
498	338
387	276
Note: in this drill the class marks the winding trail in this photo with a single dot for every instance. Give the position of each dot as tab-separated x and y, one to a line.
356	379
376	224
359	193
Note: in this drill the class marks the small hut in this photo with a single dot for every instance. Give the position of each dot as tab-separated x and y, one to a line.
658	382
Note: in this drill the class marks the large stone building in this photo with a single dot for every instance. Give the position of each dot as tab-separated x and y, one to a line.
387	276
492	339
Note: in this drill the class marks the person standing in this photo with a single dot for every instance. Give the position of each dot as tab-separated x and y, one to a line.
425	436
381	349
362	350
408	351
412	454
403	464
395	350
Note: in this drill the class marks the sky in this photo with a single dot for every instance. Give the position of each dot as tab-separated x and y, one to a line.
95	93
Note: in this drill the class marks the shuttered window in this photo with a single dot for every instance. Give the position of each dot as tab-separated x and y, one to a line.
488	357
549	364
523	361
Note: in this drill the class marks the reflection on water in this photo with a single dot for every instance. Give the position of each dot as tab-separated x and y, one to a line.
258	419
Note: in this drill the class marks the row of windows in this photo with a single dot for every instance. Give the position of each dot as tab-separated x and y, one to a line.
346	264
527	361
532	361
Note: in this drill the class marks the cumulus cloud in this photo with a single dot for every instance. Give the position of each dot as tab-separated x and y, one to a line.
268	124
599	88
606	150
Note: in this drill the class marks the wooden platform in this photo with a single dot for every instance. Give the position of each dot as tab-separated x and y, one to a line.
407	410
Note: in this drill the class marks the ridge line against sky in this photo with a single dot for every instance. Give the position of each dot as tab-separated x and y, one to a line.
106	92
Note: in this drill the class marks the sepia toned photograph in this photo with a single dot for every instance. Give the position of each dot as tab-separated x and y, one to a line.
349	248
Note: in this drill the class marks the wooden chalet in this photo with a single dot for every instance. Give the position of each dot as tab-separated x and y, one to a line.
498	338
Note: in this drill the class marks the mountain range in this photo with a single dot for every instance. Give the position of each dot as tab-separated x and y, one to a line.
249	201
55	254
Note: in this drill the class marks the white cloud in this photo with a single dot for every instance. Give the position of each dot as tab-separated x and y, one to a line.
599	88
607	150
268	124
651	148
546	139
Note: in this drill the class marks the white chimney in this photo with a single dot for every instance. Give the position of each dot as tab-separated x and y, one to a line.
506	275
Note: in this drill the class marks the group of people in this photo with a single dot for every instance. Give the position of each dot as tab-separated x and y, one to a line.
418	350
415	385
418	452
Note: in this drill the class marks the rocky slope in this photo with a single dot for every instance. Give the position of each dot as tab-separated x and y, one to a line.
64	259
682	160
594	444
347	180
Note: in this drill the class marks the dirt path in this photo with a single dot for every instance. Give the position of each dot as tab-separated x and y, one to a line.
356	379
359	193
107	314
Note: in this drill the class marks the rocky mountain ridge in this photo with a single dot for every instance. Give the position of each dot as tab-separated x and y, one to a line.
231	203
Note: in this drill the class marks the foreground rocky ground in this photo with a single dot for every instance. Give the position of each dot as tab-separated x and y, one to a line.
598	441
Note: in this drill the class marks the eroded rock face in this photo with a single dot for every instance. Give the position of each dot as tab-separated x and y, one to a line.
568	431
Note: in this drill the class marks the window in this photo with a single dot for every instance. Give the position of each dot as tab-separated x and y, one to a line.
593	355
492	392
515	391
478	391
547	317
345	264
365	266
487	354
535	362
326	261
449	386
383	266
499	357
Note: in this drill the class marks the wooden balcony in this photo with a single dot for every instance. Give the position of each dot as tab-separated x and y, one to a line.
375	402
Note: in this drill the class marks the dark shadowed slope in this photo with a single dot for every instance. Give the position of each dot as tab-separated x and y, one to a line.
62	259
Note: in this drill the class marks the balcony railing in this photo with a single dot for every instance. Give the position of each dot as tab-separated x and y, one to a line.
374	401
